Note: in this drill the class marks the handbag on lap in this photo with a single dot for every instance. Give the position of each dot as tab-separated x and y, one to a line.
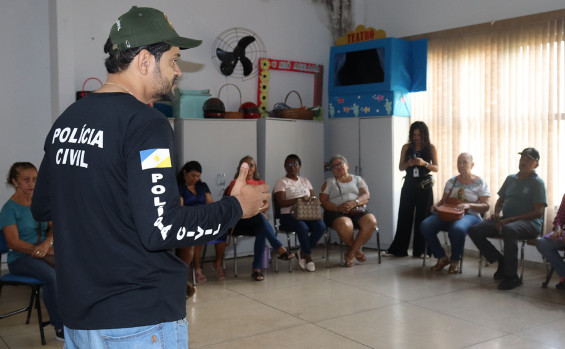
449	212
307	210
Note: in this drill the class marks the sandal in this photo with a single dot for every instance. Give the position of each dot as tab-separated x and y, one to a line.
441	263
453	267
257	276
190	290
200	278
219	272
361	257
285	256
348	262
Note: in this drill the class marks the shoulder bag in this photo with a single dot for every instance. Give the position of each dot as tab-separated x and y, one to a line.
449	212
307	210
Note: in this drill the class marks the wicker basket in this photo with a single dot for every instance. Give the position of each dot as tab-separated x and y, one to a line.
282	110
232	114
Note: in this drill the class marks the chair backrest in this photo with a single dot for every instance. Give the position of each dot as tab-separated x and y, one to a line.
3	244
276	208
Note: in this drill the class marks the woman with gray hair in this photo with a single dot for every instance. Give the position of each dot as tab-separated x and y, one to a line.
344	198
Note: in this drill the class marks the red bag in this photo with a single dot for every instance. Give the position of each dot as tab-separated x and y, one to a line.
449	212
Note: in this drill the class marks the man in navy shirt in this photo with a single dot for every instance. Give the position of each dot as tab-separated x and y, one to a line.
107	181
521	201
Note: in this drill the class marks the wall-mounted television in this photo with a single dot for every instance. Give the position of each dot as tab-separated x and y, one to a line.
388	64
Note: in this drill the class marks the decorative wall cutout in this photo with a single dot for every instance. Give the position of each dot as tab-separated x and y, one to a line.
268	64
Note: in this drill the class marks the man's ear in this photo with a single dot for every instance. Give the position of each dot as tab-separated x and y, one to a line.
145	62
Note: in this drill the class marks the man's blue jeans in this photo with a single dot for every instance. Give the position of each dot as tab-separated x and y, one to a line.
167	335
456	231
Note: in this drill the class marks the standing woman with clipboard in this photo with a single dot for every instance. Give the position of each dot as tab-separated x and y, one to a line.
418	158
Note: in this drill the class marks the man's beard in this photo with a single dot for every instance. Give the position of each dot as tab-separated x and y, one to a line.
164	90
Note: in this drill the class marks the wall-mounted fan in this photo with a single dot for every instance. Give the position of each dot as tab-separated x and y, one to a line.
236	52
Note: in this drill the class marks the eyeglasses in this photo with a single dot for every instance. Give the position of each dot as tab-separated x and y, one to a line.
338	165
295	164
251	165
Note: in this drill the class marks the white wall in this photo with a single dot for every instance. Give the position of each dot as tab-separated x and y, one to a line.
25	99
52	46
290	29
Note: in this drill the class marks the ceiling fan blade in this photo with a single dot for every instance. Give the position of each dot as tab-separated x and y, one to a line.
247	65
225	56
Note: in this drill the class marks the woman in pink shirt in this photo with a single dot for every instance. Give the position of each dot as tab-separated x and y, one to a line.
259	224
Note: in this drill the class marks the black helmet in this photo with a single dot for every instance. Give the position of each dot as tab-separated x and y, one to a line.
214	108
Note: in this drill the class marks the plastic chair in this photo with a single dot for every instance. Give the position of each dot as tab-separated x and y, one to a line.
236	234
20	280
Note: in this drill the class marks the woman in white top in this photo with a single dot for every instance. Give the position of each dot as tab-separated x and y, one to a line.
288	190
344	198
473	191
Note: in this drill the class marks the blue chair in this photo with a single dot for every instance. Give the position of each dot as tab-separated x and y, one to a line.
19	280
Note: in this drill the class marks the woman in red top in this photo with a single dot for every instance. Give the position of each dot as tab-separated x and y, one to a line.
259	224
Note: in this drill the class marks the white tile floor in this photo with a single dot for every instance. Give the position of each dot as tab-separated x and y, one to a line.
397	304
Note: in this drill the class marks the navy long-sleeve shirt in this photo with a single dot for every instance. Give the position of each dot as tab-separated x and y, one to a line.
107	181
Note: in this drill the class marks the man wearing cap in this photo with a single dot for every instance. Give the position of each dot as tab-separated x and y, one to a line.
107	181
521	201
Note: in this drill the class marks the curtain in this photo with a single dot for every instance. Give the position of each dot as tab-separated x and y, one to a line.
494	89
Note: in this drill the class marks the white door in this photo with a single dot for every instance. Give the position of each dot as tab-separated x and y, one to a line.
381	142
344	140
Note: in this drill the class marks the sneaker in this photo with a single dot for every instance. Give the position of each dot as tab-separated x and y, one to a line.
301	262
509	283
560	286
310	266
60	335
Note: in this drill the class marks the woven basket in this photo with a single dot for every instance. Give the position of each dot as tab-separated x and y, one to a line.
282	110
232	114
